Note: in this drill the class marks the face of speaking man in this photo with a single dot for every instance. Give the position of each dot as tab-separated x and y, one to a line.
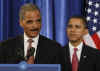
75	30
31	23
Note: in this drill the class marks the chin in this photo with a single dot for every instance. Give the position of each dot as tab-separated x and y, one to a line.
73	41
34	35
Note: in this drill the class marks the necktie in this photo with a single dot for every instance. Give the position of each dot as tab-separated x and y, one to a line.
30	53
75	61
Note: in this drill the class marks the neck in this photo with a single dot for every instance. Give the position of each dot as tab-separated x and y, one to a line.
75	43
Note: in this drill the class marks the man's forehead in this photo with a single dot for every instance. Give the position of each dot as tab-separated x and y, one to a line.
32	13
75	21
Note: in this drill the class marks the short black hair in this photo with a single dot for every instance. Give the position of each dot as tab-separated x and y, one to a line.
80	17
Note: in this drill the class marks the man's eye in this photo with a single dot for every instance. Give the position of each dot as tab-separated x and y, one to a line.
77	26
29	22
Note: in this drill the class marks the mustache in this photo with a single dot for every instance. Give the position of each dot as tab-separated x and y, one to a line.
34	29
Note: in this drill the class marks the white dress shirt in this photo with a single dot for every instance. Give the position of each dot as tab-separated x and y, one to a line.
71	49
26	44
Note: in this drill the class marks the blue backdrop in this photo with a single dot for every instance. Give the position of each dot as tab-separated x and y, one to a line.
55	14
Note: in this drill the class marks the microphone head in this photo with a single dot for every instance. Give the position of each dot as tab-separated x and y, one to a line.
32	50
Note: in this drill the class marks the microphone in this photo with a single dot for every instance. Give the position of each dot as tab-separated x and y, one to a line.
31	52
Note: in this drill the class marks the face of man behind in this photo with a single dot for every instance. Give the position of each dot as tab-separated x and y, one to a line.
75	30
31	23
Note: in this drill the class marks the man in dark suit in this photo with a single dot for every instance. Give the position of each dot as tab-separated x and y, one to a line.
78	56
46	51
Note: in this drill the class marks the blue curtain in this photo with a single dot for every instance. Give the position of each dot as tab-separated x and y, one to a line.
55	14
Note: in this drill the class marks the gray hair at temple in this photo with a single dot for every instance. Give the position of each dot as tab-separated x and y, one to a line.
27	7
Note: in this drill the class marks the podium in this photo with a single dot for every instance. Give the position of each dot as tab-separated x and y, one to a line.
30	67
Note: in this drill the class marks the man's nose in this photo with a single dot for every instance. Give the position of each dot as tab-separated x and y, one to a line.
34	24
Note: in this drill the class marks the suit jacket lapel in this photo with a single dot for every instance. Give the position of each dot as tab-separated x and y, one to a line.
37	56
83	57
40	54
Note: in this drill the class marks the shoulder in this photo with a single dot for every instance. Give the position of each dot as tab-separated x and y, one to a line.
95	54
66	47
10	41
92	50
48	41
49	44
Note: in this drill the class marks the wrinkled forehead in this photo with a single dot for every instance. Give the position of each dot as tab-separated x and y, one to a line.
32	14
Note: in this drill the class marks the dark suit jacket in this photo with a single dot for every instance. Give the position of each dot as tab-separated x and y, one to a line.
48	51
89	61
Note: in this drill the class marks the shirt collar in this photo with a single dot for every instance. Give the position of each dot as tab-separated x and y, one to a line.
79	47
34	39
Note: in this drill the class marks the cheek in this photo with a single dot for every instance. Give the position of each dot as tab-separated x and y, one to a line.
68	33
26	28
80	32
38	26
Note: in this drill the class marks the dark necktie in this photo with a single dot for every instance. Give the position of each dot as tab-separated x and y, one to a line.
75	61
30	53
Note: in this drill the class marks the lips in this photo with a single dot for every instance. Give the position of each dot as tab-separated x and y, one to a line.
33	32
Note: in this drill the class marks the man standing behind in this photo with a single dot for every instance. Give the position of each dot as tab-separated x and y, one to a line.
79	57
31	46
